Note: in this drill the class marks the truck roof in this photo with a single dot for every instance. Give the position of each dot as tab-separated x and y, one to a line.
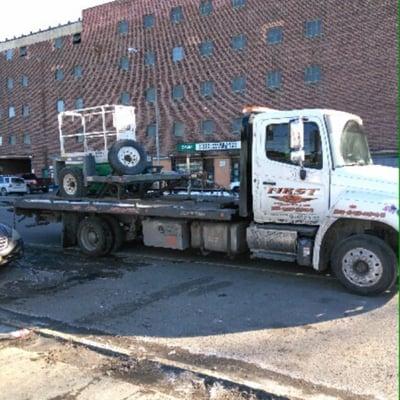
272	112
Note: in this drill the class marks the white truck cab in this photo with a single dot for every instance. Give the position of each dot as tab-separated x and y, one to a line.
317	197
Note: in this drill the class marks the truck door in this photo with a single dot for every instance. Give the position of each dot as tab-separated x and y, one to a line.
281	192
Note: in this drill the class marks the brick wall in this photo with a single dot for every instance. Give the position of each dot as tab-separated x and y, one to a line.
356	51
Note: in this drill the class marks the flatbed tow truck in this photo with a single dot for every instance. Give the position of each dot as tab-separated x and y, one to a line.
309	193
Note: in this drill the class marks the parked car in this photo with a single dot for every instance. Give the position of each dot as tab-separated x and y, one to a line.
36	184
235	186
12	184
389	159
11	245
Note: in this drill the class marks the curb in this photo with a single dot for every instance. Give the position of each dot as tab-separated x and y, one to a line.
251	391
266	388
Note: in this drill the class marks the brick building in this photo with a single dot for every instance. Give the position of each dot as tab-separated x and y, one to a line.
198	63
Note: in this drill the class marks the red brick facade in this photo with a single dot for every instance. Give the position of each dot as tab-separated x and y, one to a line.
356	53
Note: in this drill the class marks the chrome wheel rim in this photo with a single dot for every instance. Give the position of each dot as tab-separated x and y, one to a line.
90	238
362	267
128	156
70	184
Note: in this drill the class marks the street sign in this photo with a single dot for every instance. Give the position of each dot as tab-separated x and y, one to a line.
186	147
215	146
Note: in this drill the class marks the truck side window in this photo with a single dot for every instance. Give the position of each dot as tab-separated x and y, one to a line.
278	144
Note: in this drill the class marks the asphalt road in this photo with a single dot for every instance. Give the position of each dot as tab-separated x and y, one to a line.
247	320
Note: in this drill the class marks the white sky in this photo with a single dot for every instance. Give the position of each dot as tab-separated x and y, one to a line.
19	17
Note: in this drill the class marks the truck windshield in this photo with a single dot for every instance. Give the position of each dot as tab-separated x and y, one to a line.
354	145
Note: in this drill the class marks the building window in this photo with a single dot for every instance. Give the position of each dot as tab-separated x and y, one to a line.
124	63
24	80
274	80
79	103
150	58
238	3
179	129
151	130
207	89
23	51
206	7
123	27
313	28
76	38
1	140
25	110
9	54
12	140
206	48
207	127
11	112
312	74
148	21
10	83
236	126
178	54
239	84
59	75
80	138
58	43
239	42
77	71
60	106
151	95
275	35
27	138
176	15
178	93
125	99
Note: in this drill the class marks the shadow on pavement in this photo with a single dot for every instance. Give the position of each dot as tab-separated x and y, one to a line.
138	296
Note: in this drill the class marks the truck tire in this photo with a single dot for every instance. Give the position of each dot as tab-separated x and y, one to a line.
95	237
127	157
71	182
364	264
117	232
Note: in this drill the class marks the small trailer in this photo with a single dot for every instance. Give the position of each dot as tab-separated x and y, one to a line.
309	193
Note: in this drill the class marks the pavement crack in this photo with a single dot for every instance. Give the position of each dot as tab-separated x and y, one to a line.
129	308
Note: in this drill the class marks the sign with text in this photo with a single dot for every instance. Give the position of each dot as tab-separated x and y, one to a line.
215	146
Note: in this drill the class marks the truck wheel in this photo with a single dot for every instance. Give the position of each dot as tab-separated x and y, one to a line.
127	157
117	232
71	182
364	264
95	237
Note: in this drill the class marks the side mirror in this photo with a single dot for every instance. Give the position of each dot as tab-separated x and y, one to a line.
297	155
297	135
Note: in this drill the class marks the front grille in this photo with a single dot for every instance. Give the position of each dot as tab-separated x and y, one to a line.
3	242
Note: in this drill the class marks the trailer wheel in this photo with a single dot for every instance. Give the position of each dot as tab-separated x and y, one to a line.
364	264
117	232
95	237
71	182
127	157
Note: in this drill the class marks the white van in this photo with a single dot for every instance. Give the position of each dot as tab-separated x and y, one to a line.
12	184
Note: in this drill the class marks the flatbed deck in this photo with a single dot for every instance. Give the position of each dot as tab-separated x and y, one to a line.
141	178
185	207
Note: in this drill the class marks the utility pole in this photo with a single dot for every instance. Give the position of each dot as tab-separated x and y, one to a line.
157	109
134	50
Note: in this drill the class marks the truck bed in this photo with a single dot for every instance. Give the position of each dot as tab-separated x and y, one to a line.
169	206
